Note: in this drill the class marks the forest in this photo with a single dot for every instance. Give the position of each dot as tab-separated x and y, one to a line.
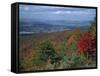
66	49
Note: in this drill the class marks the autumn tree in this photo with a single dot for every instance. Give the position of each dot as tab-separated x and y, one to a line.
73	38
85	45
92	32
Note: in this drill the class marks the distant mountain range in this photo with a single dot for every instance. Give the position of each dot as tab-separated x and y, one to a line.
37	27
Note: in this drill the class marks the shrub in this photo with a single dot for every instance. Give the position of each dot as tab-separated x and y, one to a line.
47	51
85	45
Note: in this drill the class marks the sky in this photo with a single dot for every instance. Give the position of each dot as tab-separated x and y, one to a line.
54	14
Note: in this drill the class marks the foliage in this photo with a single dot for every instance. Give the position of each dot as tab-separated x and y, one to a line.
92	32
74	36
63	50
92	29
64	55
86	44
47	51
26	63
73	46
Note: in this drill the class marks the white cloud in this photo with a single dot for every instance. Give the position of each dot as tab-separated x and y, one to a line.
57	12
26	8
61	12
71	12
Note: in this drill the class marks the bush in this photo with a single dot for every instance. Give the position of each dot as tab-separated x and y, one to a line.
86	45
47	51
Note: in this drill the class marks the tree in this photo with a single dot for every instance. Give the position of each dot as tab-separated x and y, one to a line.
92	29
73	38
92	32
85	45
46	51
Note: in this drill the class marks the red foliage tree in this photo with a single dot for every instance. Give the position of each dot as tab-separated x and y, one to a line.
86	44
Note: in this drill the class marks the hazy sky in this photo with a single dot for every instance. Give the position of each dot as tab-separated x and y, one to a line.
48	14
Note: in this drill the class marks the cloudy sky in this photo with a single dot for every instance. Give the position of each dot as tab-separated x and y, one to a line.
52	13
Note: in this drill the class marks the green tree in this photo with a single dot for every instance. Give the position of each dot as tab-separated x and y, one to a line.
46	51
92	29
